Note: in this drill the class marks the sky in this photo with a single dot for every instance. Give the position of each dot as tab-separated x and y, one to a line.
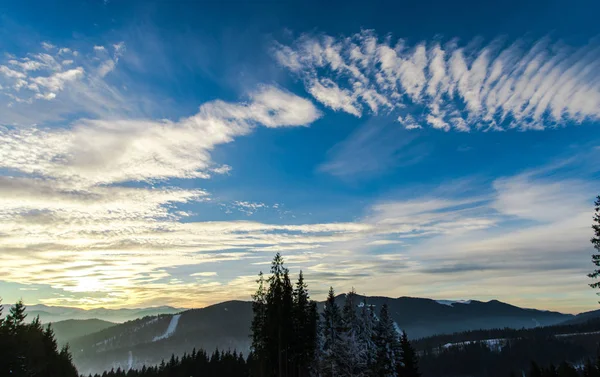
160	153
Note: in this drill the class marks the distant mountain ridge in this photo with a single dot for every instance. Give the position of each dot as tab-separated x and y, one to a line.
70	329
61	313
584	317
227	326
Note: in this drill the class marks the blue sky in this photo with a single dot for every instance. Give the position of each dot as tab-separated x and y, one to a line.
161	152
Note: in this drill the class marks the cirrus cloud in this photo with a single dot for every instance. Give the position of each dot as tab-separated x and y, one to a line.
523	85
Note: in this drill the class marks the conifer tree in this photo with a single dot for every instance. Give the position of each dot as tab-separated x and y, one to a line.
314	331
567	370
408	361
590	370
16	317
274	313
304	328
353	354
258	326
275	329
367	335
535	370
287	324
596	242
387	345
332	341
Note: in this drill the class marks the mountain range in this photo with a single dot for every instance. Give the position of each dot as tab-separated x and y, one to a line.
49	314
150	339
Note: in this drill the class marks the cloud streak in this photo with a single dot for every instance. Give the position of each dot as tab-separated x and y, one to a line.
450	86
112	151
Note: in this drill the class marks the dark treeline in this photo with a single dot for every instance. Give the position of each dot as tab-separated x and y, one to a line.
563	370
591	326
492	359
197	363
28	349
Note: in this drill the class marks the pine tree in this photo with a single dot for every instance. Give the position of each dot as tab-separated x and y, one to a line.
567	370
304	328
596	242
387	345
408	360
16	317
367	335
258	326
314	331
273	328
590	369
287	324
550	371
332	326
278	327
353	354
535	370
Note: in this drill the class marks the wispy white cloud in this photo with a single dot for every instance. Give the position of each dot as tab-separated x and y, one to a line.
102	151
524	85
249	208
57	81
60	82
10	73
48	46
376	146
204	274
328	93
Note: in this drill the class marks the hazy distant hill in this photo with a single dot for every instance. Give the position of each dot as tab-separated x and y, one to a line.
70	329
61	313
226	326
583	317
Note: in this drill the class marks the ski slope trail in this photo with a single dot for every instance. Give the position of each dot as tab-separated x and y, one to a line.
170	330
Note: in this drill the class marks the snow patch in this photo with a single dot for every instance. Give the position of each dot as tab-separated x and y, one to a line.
170	330
398	329
130	361
577	334
452	302
493	344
